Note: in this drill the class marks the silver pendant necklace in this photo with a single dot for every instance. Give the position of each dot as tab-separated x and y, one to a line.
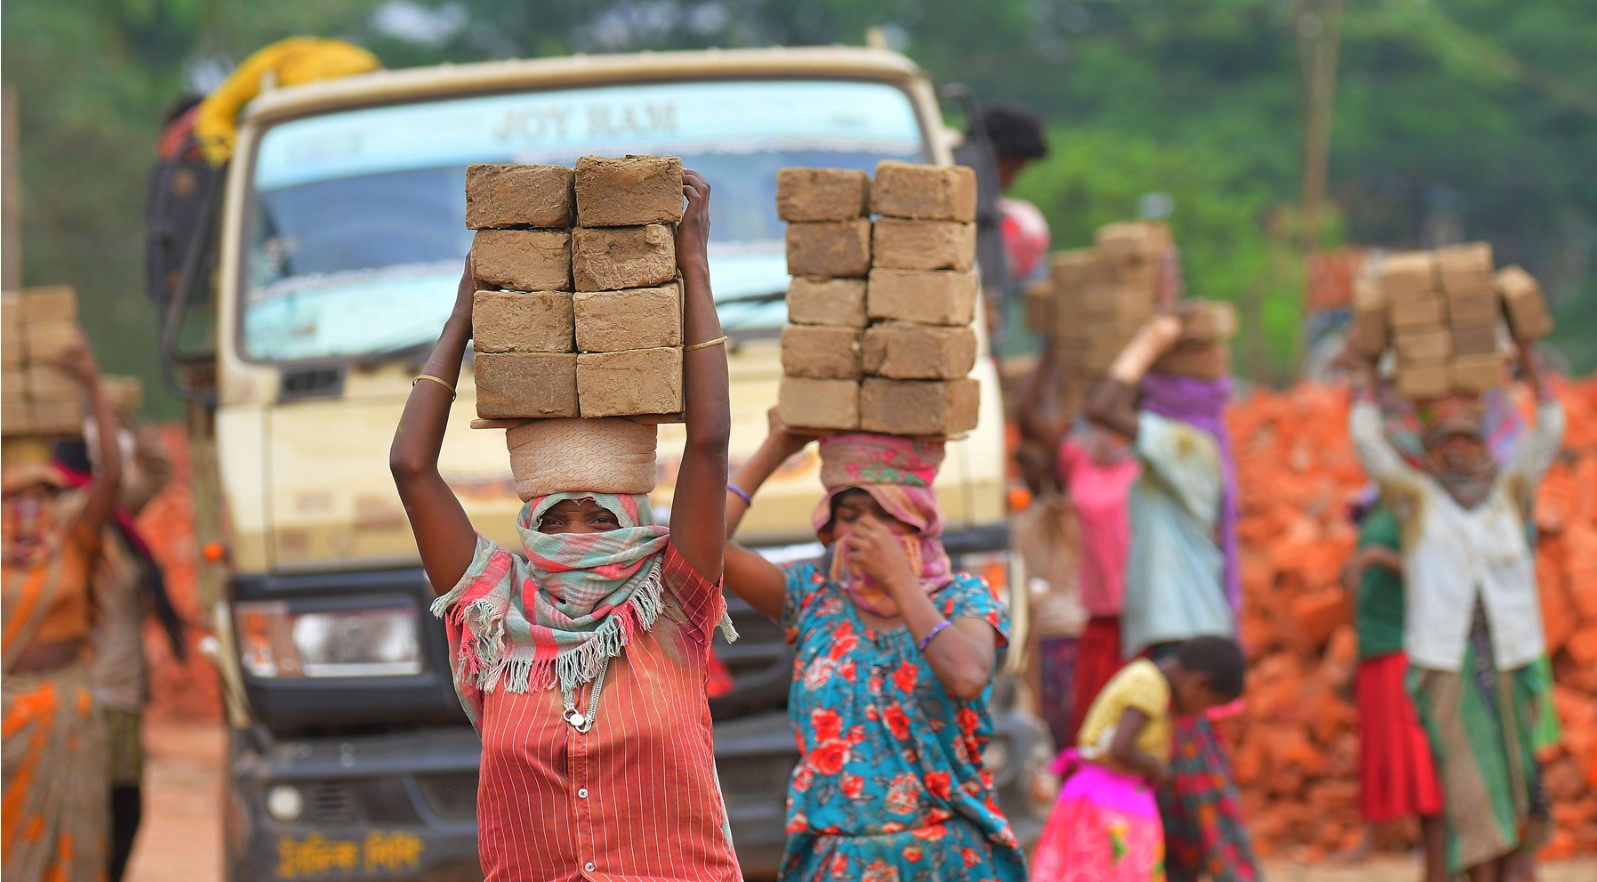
579	721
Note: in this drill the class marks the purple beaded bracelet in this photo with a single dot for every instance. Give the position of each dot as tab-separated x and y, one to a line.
927	640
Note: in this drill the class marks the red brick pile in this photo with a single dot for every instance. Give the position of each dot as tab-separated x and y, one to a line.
1296	745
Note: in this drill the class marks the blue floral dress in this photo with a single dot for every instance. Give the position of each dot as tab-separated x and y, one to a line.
890	785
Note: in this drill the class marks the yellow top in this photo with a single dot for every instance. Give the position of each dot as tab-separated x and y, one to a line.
1139	685
289	62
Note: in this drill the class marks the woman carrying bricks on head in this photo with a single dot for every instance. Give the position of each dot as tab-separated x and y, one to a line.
894	667
1181	577
581	660
55	776
1474	630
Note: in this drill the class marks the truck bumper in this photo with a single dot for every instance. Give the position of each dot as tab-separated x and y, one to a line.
388	806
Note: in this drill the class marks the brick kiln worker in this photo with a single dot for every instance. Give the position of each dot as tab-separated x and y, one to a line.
895	655
1181	576
1474	627
582	661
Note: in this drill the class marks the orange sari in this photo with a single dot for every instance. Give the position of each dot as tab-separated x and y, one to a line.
55	787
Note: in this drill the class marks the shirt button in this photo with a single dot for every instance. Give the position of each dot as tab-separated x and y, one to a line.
589	867
582	793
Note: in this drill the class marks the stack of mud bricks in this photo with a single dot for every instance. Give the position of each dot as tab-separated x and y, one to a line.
1439	311
1097	298
38	398
578	310
879	335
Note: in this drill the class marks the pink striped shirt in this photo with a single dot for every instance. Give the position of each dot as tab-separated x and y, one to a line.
636	797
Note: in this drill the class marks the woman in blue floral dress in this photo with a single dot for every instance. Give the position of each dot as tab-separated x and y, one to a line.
894	667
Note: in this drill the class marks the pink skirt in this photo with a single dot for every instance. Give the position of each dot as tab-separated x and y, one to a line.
1104	828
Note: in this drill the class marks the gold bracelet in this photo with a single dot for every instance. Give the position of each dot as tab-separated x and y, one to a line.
706	344
439	380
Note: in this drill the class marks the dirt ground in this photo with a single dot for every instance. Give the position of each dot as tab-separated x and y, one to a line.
182	833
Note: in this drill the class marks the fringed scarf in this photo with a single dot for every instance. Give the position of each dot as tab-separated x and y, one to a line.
898	474
1201	404
584	597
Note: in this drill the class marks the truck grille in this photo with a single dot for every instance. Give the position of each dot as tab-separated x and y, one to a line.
330	804
451	796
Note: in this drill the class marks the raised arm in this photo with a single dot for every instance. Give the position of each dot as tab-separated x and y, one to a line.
1381	461
444	535
758	582
1536	451
698	516
1034	420
1112	401
100	506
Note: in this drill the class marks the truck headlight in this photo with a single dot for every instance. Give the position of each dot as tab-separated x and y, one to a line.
276	642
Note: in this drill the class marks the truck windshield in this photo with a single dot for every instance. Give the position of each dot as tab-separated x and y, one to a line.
357	219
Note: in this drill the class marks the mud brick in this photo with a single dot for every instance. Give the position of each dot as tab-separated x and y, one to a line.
1458	284
1477	373
1210	320
924	192
14	385
44	341
1482	308
1523	304
10	311
1369	320
1130	243
834	249
634	383
612	259
1100	302
819	404
15	417
46	383
928	298
502	195
522	260
1073	270
61	416
1204	361
628	192
821	353
919	407
53	303
822	194
1469	257
640	318
1040	307
513	321
1430	346
835	302
124	394
1414	312
1407	275
923	245
1474	340
1424	381
904	351
526	385
11	353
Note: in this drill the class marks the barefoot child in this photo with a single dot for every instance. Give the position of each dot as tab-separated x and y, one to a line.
1106	824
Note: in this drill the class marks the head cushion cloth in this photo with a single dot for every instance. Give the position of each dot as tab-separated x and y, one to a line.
596	456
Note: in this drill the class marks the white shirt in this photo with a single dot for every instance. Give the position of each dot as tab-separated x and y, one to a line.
1453	556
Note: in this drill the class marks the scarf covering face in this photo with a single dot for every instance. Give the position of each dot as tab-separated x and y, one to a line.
897	473
1201	404
588	596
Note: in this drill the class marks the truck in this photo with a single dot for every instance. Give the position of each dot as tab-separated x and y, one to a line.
299	288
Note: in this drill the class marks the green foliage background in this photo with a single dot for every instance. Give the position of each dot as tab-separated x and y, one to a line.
1455	120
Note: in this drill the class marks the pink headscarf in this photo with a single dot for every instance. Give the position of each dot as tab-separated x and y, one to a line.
897	473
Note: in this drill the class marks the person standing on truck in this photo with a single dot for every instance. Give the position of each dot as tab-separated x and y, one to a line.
1469	576
606	611
128	586
895	657
1181	577
1018	140
54	750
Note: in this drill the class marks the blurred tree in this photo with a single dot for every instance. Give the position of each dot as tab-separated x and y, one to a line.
1469	119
